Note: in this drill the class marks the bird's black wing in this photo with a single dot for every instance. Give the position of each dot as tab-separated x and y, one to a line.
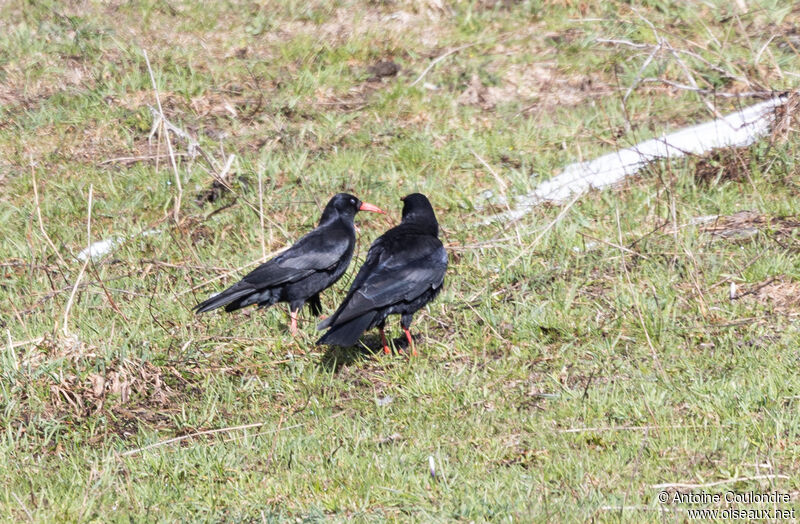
319	250
370	263
393	273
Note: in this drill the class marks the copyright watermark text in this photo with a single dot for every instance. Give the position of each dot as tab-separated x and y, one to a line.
770	499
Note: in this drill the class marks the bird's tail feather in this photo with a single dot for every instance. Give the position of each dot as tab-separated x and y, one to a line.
226	297
347	334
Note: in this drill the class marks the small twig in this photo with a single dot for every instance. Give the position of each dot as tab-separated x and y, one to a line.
612	244
261	215
529	248
754	291
178	185
192	146
486	322
547	228
105	291
623	42
636	80
134	159
65	328
223	208
223	175
39	216
439	59
503	188
636	305
629	428
221	178
680	485
717	94
201	433
274	442
22	505
32	341
499	242
718	69
499	180
692	81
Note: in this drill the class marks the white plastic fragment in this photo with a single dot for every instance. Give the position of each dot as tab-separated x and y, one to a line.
101	248
738	129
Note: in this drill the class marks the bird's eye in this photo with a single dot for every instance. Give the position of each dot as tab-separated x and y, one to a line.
352	201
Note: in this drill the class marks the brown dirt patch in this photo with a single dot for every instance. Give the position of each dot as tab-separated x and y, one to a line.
780	294
724	164
743	224
538	85
355	99
787	118
418	23
18	90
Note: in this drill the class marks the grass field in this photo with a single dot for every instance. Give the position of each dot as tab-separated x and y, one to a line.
577	359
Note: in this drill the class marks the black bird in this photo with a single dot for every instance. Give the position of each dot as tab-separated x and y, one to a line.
404	270
300	273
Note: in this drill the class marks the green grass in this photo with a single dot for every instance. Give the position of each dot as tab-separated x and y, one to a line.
560	377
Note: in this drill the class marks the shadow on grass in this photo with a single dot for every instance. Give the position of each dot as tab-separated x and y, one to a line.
369	346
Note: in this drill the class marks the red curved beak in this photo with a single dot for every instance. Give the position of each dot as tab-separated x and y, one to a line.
370	207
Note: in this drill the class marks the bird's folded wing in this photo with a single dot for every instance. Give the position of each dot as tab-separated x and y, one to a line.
389	284
317	251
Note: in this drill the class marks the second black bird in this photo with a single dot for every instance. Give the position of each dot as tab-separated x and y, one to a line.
299	274
404	270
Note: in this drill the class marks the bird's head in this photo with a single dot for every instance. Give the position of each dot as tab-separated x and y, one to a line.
345	204
417	209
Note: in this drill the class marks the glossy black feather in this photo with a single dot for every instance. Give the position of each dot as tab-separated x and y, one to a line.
299	274
403	271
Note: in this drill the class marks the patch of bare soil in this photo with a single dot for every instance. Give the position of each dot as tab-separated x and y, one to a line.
787	118
416	21
233	101
21	92
743	224
780	294
735	164
520	453
476	94
724	164
537	85
355	99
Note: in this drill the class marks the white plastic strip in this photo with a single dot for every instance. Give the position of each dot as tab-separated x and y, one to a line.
103	247
738	129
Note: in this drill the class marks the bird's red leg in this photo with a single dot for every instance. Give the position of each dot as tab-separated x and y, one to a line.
383	340
410	342
293	324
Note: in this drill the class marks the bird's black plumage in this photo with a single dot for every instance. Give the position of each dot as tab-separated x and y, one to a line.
300	273
404	270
